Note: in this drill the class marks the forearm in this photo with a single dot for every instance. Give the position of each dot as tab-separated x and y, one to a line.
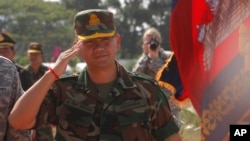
24	112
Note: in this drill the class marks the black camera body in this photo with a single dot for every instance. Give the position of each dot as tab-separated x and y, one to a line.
153	44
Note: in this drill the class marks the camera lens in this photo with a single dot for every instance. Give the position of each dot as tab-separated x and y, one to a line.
153	44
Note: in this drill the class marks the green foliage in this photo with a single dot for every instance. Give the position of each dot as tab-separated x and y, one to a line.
36	20
51	23
80	5
22	60
134	16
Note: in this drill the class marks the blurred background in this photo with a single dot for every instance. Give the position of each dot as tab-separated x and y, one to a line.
50	22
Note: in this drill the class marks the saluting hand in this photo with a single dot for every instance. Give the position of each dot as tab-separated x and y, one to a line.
64	57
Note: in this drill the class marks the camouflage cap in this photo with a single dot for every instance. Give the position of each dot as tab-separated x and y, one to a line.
6	41
94	23
35	47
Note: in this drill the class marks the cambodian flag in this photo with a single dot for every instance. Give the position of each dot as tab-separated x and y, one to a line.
211	42
56	53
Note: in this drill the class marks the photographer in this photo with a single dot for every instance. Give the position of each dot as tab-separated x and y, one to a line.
152	59
153	56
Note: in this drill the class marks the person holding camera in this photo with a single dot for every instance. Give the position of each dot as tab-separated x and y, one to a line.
153	56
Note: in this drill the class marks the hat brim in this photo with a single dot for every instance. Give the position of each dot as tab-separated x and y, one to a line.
6	45
96	35
34	51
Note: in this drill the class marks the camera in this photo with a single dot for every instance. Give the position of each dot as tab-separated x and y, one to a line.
153	44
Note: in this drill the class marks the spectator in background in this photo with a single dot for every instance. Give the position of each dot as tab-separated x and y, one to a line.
7	50
35	55
153	55
152	59
10	91
37	69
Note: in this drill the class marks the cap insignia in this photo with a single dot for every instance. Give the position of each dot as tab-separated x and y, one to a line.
94	20
35	46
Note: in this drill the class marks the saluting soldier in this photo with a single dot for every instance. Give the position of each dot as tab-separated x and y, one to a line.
104	101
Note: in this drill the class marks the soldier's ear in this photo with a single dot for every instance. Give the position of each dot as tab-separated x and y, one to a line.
75	42
118	40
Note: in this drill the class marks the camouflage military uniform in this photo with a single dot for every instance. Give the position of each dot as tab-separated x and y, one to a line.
10	90
150	66
134	109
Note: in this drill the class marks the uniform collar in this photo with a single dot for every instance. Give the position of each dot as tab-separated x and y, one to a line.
124	80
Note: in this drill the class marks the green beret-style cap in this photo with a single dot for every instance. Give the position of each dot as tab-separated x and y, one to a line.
94	23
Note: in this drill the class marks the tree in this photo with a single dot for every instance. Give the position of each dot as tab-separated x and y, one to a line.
51	23
134	16
80	5
36	20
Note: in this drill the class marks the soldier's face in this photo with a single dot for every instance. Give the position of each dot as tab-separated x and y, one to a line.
35	58
100	51
8	52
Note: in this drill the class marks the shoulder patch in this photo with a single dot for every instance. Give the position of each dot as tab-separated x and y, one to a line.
144	77
70	76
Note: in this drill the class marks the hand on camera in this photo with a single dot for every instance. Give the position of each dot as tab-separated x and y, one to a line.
153	48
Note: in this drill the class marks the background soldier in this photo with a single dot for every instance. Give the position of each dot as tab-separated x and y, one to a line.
7	50
10	91
153	55
35	55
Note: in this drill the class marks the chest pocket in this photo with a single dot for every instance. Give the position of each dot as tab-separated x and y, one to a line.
134	120
75	118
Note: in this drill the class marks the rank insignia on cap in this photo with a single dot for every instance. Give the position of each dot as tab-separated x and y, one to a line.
93	20
94	23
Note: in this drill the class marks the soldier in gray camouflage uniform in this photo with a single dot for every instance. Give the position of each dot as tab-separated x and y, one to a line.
104	102
153	55
152	59
10	91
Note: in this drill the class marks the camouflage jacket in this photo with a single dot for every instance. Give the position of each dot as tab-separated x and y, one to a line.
10	90
134	110
150	66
